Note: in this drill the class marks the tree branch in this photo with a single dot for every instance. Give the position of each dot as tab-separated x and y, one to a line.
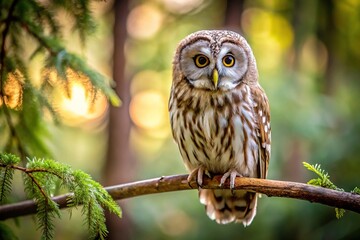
271	188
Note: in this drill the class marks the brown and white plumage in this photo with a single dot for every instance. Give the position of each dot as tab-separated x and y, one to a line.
220	119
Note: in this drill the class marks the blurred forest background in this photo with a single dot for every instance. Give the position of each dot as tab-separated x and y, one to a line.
308	57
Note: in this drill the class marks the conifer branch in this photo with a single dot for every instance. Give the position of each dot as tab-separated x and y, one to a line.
33	179
271	188
4	36
41	177
29	173
33	170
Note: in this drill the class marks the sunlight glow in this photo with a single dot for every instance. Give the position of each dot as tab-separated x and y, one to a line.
77	104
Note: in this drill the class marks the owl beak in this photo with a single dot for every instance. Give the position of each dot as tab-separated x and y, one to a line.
215	77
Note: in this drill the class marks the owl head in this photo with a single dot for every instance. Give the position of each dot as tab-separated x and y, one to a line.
215	60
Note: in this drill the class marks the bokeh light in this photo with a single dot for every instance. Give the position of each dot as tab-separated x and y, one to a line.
182	6
148	109
270	36
314	56
13	91
176	223
77	101
144	21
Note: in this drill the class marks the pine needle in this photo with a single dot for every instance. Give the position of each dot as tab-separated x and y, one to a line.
41	178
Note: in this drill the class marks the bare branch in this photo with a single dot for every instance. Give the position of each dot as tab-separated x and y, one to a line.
271	188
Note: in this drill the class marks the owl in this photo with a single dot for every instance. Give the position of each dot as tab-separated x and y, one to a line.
220	119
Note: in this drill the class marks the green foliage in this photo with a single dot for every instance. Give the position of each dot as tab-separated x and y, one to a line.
65	61
324	181
92	200
32	28
339	212
356	190
6	174
41	178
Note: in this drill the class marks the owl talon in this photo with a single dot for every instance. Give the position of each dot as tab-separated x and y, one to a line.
232	174
198	174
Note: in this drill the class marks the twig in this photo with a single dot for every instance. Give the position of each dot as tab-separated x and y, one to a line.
271	188
33	179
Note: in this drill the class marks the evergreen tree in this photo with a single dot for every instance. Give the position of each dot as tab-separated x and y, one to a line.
24	103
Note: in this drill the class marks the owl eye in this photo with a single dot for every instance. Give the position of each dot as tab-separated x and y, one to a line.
228	61
201	60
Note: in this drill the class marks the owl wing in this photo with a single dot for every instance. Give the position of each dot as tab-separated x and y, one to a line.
262	114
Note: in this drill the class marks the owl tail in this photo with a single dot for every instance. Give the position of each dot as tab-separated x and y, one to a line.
225	206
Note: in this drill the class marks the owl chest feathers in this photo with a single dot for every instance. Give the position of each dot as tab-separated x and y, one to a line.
216	130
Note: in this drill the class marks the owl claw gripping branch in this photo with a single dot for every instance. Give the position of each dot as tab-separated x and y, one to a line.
220	119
